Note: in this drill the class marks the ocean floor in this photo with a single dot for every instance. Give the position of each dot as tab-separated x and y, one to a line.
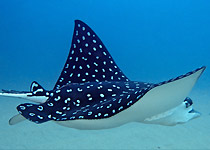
27	135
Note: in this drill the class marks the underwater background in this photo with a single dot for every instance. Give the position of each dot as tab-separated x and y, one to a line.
150	41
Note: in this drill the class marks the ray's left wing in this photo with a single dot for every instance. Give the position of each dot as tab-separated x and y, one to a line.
88	60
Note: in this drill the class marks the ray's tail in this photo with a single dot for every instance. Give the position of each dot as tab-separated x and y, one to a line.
36	94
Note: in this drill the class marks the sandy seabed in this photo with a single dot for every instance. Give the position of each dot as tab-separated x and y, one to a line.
27	135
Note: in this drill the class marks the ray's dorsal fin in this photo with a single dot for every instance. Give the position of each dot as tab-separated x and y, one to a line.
37	89
88	60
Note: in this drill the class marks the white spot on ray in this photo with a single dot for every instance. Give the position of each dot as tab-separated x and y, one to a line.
57	99
40	117
40	108
67	66
109	106
90	113
102	95
32	114
88	33
105	115
114	95
84	58
58	112
57	91
67	100
50	104
61	80
80	50
79	89
90	98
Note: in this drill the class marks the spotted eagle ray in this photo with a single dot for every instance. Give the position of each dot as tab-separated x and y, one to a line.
93	93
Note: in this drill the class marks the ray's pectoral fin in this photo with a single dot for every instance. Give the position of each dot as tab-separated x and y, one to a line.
178	115
172	95
33	112
88	60
16	119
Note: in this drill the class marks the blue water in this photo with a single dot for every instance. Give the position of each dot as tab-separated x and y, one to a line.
150	40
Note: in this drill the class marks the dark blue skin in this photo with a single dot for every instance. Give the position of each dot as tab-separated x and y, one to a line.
93	100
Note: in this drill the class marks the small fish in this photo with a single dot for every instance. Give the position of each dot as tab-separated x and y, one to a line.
93	93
